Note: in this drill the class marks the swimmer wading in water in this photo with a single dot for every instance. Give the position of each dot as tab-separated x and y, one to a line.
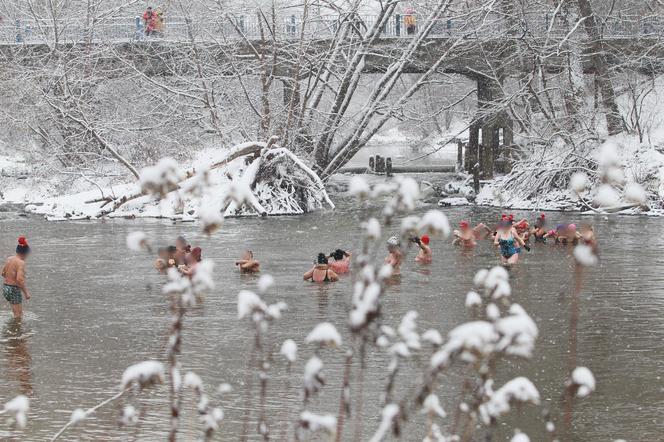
14	274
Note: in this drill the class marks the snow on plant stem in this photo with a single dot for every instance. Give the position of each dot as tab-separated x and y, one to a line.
324	334
143	374
18	408
137	242
584	380
289	350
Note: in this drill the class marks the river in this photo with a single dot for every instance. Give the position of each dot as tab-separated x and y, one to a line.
97	308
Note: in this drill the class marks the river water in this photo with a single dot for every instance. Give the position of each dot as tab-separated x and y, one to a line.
97	308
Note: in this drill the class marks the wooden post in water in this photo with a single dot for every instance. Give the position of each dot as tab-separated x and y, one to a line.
459	163
476	178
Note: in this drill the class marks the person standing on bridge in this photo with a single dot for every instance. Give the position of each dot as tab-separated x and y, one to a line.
149	20
410	21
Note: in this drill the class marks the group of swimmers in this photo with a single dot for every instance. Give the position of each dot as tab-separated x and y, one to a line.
181	256
328	267
511	237
185	258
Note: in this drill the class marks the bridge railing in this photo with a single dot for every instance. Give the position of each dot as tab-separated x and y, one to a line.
290	27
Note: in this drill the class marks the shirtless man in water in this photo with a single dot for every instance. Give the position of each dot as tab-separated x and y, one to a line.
424	255
247	263
14	274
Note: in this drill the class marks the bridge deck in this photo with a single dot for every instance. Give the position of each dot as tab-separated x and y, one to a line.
176	29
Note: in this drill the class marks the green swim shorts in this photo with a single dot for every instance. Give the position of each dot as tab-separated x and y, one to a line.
12	294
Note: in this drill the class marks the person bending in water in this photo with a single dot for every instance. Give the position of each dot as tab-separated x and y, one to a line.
341	263
161	263
14	274
467	236
247	263
321	272
394	255
507	240
425	255
182	248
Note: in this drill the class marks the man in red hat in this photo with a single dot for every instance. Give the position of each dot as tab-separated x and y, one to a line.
424	255
14	275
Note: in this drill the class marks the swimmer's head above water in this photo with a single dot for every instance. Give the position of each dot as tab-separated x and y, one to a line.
22	248
463	225
338	254
322	259
393	243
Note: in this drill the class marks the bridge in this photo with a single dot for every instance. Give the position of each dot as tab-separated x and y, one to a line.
178	29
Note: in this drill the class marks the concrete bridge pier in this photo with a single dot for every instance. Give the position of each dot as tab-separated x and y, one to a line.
491	132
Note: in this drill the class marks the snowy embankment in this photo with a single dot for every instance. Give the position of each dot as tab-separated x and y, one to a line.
619	175
246	180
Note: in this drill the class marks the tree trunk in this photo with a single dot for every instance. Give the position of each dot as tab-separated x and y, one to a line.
614	121
473	147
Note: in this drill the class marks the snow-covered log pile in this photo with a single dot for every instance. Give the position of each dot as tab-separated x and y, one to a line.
619	175
246	180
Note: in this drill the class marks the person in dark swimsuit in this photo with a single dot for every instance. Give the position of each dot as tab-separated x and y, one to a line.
508	241
321	271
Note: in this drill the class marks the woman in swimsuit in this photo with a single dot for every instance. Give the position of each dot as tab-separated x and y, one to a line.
341	263
508	241
321	272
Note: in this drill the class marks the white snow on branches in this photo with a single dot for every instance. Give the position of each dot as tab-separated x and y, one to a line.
518	332
432	405
324	334
18	408
289	350
143	374
435	222
584	255
313	378
249	302
520	437
265	282
634	193
137	241
473	299
433	337
469	339
202	281
583	378
371	228
318	422
578	182
518	391
359	187
389	414
606	196
192	380
77	416
129	416
408	330
162	177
